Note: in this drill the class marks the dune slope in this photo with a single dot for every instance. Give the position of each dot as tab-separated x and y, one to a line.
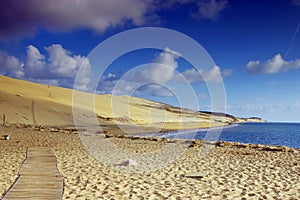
31	103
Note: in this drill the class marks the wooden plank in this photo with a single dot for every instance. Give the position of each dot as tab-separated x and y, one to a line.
38	178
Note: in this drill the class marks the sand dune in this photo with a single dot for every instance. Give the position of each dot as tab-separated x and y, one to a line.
30	103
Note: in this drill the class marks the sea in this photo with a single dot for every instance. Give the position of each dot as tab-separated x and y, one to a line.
278	134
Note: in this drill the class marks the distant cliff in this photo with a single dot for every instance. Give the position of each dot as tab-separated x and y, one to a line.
251	119
232	119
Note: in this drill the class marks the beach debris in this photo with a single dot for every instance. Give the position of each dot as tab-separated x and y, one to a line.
128	162
196	143
55	130
4	120
107	136
196	175
6	137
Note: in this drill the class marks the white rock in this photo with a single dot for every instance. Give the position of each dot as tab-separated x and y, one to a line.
129	162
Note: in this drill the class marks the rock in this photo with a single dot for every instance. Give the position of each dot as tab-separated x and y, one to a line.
220	144
128	162
6	137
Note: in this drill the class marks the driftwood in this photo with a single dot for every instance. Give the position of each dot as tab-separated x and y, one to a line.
4	120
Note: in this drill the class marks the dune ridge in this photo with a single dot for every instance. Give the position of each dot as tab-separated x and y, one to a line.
25	102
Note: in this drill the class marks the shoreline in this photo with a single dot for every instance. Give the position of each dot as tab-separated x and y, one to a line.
149	136
185	131
194	142
182	131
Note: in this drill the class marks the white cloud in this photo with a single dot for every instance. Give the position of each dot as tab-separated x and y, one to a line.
160	71
190	75
213	75
151	78
61	62
273	65
10	66
193	75
35	64
210	9
154	78
60	67
83	79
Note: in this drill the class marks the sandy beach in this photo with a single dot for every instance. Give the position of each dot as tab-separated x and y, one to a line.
232	172
149	99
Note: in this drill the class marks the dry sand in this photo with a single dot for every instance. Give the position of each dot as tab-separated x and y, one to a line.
232	172
30	103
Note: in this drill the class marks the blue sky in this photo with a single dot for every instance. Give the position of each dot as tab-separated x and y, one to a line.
254	46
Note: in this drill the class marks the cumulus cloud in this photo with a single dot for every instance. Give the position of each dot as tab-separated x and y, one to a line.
193	75
154	79
59	67
10	66
274	65
151	78
19	17
161	70
35	64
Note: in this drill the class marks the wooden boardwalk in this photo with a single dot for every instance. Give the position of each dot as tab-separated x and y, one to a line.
38	178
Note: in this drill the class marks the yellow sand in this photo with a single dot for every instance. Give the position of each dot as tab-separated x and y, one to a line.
232	173
30	103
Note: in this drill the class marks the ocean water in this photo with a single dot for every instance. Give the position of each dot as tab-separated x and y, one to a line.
283	134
